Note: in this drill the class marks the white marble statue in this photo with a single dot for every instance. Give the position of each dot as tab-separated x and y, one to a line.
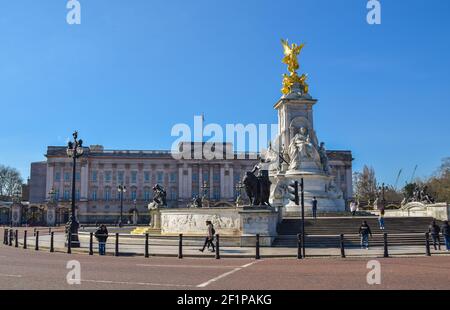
301	148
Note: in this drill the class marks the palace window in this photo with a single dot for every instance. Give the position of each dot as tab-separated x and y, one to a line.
216	177
66	194
133	176
173	177
94	176
94	195
133	194
147	177
160	177
58	176
57	194
173	193
66	177
205	176
77	194
147	194
107	176
194	177
216	193
77	176
120	176
107	194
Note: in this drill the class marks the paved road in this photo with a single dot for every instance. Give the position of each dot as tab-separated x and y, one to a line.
28	269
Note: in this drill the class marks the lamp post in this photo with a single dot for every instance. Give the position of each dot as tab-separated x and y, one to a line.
204	188
74	151
121	189
238	187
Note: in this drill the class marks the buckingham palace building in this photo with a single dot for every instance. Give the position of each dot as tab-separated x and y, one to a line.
99	172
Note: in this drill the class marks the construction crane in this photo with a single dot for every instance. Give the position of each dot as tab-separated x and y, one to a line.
413	174
398	177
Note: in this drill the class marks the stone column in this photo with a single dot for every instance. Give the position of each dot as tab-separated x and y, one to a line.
84	180
49	181
211	181
200	179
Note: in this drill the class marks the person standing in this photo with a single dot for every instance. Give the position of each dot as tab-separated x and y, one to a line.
446	234
365	232
434	231
381	219
353	208
102	236
314	207
210	237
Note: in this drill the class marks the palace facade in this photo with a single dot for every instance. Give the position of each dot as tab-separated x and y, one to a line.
100	171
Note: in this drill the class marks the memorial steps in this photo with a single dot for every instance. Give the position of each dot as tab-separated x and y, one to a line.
324	232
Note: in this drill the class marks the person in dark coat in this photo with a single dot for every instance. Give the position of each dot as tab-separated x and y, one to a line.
314	207
102	236
446	234
209	238
365	232
434	231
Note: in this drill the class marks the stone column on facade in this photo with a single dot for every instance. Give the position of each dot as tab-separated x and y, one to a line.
222	182
49	181
230	182
200	179
84	180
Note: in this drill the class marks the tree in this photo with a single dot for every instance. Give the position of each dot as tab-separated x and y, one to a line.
10	181
439	184
365	184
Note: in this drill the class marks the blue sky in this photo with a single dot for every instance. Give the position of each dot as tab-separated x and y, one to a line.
133	69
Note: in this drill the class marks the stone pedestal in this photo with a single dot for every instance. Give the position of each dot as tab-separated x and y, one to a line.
244	222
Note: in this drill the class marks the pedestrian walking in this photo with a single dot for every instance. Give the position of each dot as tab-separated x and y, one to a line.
365	232
210	237
314	207
446	234
381	219
353	208
102	236
434	231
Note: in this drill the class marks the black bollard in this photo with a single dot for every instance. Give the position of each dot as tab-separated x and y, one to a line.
299	246
116	252
385	243
25	239
16	239
180	246
69	243
36	245
257	256
5	236
427	244
52	241
217	247
11	236
91	246
146	246
342	246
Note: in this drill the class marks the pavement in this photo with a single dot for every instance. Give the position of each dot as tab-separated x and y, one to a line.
30	269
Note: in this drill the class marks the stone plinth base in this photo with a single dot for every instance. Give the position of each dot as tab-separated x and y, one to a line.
315	185
244	222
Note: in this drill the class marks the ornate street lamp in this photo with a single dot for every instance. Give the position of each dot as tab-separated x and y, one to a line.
74	151
238	187
205	189
121	189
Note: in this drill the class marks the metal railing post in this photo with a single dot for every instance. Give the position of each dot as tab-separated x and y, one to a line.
69	243
36	245
299	246
91	241
257	256
146	246
116	252
342	246
180	246
217	246
52	240
25	239
385	244
427	244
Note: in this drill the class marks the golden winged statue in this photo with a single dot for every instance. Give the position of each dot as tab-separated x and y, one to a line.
291	60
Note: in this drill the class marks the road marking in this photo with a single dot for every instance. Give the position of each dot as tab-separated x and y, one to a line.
138	283
11	275
223	275
185	266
